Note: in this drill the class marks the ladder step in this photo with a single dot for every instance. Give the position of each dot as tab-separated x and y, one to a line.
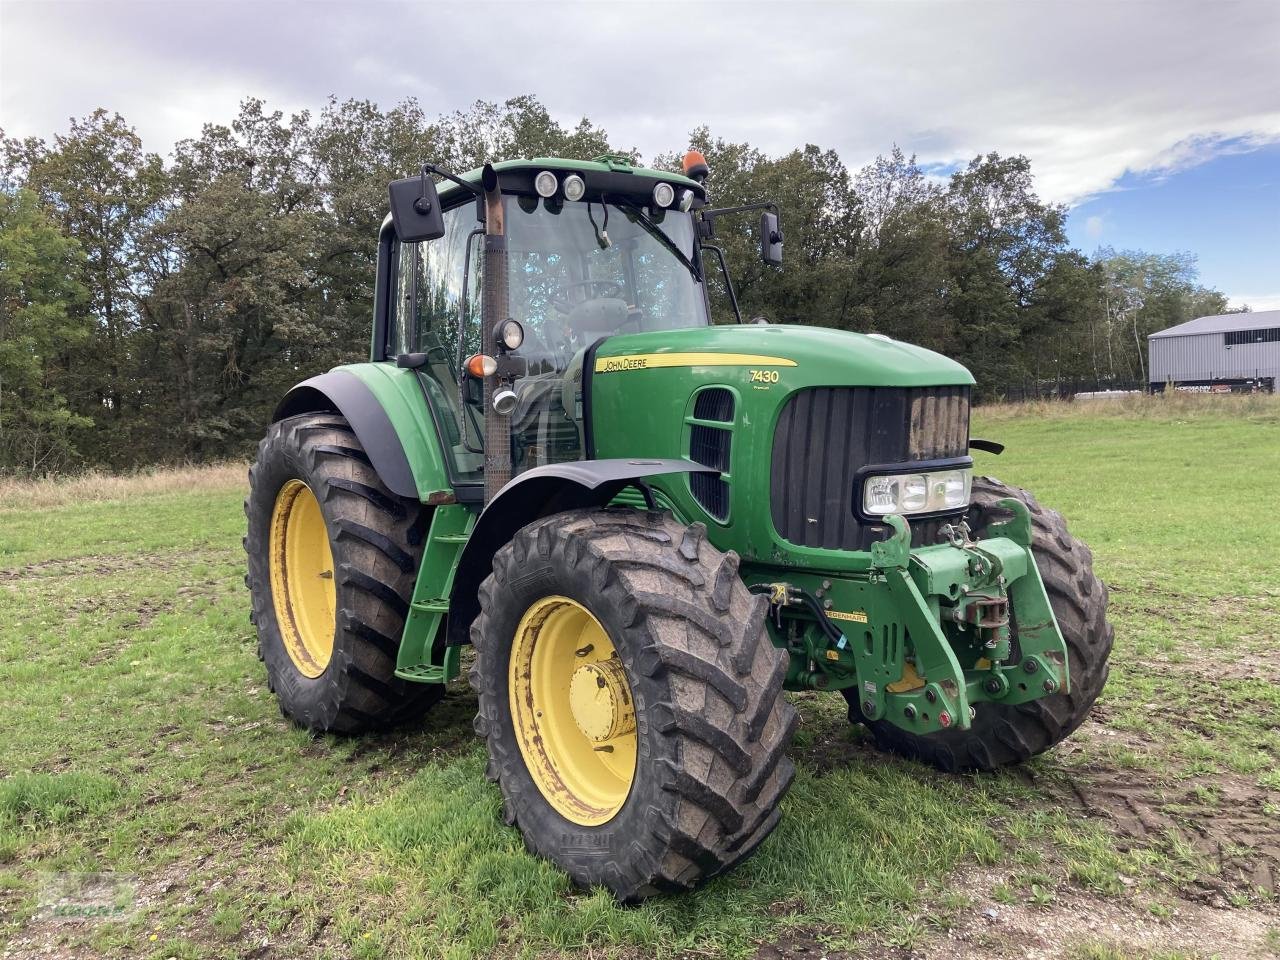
438	605
423	673
451	538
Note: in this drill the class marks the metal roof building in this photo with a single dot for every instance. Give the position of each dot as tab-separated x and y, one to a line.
1231	349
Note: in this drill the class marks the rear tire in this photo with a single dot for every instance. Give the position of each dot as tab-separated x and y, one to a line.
376	541
711	724
1003	734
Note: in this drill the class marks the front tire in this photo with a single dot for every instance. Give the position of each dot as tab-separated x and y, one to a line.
1004	734
648	616
333	555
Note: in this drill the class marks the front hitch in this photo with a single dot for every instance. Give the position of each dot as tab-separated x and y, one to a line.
950	642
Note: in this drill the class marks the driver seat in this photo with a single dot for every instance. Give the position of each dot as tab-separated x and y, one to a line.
597	317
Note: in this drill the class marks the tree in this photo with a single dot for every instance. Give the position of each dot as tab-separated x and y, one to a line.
1145	292
40	321
106	192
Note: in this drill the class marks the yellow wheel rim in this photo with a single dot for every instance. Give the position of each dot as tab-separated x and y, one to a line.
572	711
302	586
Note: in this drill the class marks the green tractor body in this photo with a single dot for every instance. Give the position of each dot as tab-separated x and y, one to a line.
613	467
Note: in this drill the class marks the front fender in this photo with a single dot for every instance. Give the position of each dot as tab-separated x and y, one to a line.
537	493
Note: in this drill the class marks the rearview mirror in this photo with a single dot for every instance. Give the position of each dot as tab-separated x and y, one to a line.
415	209
770	239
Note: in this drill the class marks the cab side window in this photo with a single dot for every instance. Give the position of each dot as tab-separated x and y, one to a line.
430	314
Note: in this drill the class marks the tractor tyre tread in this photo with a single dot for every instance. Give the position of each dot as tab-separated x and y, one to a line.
376	539
713	725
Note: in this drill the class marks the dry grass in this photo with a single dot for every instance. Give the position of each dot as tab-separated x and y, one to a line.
96	487
1255	407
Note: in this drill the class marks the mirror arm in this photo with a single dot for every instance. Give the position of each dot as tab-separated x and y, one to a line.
432	168
710	216
724	269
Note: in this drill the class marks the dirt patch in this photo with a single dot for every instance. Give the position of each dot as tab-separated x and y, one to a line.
102	565
1074	921
1077	919
1222	817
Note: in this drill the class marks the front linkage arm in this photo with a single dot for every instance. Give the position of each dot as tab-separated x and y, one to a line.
930	631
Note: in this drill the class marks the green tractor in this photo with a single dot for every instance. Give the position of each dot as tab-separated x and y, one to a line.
648	527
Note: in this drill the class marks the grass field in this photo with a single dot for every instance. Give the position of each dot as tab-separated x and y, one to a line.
138	738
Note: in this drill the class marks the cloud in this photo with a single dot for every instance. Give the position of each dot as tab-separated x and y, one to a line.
1089	92
1093	226
1256	301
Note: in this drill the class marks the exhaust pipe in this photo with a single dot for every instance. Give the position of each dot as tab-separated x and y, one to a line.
499	400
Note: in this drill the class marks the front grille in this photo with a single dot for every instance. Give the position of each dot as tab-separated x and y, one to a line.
825	435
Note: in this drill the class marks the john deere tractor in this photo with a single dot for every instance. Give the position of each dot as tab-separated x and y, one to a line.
647	526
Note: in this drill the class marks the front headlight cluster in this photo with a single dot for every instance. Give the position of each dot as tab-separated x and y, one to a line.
908	493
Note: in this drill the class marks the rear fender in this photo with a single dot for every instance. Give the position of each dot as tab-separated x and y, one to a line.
537	493
388	413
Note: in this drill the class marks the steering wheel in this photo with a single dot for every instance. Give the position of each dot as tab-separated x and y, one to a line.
599	289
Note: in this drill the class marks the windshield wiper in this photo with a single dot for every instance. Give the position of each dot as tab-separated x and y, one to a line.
656	231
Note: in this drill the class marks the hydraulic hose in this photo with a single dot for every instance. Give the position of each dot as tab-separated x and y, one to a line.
791	594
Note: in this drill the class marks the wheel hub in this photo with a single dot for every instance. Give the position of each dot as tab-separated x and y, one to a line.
302	587
600	699
572	711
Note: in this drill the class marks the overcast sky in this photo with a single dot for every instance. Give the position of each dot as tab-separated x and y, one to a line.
1104	97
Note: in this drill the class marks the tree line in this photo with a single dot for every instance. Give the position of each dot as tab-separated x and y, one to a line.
154	310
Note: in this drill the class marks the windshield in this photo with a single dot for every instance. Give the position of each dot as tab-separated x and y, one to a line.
578	272
581	271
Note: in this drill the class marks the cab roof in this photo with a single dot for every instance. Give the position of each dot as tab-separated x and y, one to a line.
609	168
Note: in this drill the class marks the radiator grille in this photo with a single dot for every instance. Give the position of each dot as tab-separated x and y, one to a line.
825	435
710	446
712	492
714	403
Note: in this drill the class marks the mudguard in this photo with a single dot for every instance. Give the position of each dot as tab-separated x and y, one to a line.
348	395
538	493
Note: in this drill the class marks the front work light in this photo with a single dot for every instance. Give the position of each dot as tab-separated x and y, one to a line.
908	493
686	200
574	187
664	195
504	401
511	334
546	184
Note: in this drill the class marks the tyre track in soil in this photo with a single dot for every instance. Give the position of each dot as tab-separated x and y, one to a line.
1235	835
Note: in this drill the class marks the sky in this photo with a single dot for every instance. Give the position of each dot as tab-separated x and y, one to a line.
1158	123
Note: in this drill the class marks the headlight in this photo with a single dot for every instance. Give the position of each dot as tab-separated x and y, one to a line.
908	493
664	195
511	334
546	184
574	187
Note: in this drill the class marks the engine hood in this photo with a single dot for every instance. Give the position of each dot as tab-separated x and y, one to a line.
809	356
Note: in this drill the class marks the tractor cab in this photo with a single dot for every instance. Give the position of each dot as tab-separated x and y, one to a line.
592	250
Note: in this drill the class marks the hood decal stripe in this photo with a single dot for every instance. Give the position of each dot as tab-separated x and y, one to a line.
654	361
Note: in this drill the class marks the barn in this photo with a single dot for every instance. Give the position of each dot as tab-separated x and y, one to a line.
1230	351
